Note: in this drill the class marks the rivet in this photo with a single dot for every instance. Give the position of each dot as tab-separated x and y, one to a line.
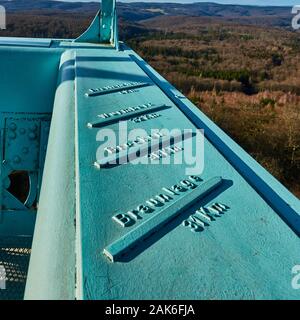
25	150
33	127
32	136
22	130
17	159
13	126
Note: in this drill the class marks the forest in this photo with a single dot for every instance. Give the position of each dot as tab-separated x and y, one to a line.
243	73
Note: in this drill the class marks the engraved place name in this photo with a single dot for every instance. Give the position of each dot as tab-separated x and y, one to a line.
131	110
204	216
137	141
146	117
128	91
164	152
116	88
156	202
126	113
170	210
141	147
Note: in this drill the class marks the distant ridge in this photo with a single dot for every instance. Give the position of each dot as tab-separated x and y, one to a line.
137	11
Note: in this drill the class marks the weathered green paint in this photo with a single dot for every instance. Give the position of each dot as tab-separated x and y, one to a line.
159	220
247	253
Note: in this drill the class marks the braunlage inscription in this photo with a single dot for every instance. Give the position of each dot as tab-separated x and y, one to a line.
156	202
161	216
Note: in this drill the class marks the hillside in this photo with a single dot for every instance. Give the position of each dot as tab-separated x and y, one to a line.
139	11
239	64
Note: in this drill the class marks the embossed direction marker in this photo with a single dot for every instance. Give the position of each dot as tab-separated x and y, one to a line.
132	153
120	247
116	88
124	114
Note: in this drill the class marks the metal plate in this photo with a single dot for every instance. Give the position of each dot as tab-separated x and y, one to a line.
227	244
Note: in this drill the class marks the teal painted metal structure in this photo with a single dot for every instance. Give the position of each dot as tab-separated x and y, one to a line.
104	28
100	234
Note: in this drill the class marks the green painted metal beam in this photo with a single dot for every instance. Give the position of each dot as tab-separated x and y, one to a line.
103	29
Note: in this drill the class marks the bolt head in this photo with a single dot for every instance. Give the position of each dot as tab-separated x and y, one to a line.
12	135
33	127
13	126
